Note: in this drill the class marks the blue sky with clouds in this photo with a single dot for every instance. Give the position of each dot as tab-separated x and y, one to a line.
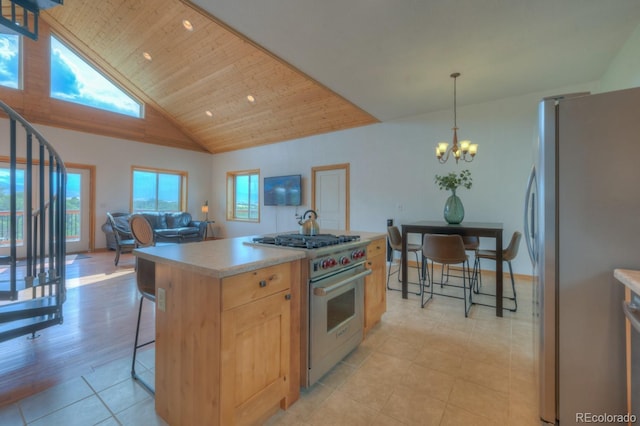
72	79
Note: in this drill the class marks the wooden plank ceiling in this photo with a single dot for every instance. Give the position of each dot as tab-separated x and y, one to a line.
209	68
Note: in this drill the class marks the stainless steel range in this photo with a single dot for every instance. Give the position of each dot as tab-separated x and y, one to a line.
335	310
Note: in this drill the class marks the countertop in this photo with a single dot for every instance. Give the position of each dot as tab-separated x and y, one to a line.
628	277
231	256
219	258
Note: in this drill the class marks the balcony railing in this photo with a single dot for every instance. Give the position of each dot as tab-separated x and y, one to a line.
72	228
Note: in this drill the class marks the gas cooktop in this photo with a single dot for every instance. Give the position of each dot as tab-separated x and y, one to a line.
306	241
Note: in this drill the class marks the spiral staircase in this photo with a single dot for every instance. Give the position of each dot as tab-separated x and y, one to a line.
32	246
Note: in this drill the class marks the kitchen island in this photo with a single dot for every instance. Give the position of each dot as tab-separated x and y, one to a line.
230	327
227	331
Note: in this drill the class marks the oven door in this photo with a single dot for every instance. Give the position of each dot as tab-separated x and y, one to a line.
336	318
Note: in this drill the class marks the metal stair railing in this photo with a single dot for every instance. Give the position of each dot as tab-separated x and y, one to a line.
33	281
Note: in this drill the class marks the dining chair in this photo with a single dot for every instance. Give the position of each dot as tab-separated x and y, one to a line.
508	254
121	234
141	230
395	242
446	250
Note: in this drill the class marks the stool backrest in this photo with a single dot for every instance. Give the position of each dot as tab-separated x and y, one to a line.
511	251
395	239
445	249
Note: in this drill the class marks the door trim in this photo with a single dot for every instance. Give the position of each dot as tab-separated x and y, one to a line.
345	166
92	192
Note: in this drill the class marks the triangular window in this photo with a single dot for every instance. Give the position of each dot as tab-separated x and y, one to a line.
75	80
10	60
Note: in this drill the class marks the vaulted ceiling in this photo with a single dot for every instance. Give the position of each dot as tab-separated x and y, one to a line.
320	66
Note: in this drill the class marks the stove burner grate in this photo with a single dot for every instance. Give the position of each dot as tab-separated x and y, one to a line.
307	241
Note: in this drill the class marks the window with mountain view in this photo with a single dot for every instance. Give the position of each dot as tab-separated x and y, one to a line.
75	80
155	190
243	195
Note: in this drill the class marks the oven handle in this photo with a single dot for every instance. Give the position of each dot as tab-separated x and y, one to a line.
325	291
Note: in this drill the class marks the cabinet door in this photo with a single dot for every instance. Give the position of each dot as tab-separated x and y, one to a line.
375	295
255	359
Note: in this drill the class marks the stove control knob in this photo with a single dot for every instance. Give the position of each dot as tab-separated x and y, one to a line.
357	254
344	260
333	262
324	264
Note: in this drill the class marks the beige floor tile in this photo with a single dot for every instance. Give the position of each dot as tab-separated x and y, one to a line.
414	407
54	398
88	411
454	416
480	401
10	415
340	409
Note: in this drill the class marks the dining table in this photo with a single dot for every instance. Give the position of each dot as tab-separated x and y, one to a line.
479	229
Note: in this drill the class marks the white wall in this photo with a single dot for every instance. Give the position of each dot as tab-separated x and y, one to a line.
393	166
113	159
624	70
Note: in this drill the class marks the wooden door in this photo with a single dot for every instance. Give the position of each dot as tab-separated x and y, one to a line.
330	196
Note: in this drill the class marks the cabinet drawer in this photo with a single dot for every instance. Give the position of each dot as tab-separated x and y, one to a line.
377	247
243	288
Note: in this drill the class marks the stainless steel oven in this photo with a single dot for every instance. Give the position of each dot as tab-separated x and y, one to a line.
336	317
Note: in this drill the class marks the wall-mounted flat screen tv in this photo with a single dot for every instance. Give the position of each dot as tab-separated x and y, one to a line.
283	190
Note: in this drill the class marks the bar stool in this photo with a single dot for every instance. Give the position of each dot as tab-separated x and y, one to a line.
395	241
146	282
447	250
508	254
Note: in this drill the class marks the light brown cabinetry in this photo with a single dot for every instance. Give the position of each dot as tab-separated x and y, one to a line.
375	295
224	347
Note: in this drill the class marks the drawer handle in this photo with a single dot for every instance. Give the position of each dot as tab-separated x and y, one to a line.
287	296
263	283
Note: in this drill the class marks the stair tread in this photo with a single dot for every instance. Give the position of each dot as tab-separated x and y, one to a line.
39	303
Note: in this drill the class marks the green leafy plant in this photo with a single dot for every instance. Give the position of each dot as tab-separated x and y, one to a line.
452	181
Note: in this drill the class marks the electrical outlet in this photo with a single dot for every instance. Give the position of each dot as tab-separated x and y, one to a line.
162	299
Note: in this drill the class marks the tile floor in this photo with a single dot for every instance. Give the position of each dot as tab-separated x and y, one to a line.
428	366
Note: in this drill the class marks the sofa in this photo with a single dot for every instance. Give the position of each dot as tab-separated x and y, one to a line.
173	227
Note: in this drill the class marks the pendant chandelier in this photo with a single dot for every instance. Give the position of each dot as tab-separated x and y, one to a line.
466	150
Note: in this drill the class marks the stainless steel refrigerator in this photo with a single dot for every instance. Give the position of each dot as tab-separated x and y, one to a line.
582	220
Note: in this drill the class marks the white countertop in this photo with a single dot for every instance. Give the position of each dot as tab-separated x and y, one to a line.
231	256
628	277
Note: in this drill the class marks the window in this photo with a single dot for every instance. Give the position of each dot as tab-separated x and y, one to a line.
243	195
74	80
158	190
10	60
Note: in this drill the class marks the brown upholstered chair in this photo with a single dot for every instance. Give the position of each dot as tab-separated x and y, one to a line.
395	241
446	250
508	254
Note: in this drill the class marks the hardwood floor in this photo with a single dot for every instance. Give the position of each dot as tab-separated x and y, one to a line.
99	327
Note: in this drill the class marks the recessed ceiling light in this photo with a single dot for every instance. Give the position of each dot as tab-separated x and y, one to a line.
209	113
251	99
187	25
146	55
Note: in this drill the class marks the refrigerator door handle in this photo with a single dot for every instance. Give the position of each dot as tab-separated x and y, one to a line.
529	220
